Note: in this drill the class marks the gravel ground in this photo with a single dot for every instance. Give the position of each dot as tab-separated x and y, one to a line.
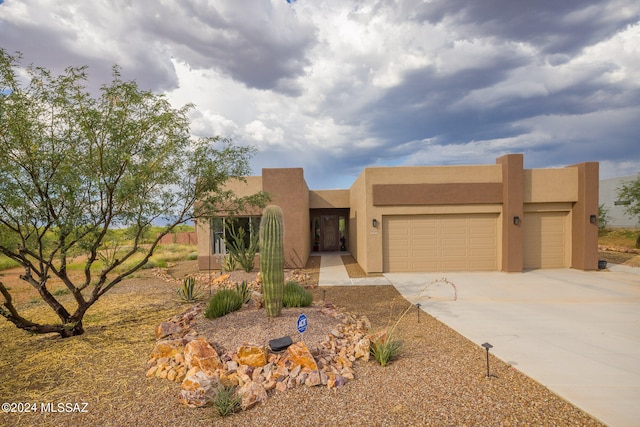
439	378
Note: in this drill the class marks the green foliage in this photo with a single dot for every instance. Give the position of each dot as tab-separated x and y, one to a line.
236	245
223	302
630	191
296	296
61	291
244	291
77	164
603	217
229	263
383	350
272	259
190	291
227	401
6	263
384	346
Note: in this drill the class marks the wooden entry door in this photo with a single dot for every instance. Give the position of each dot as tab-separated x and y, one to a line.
329	233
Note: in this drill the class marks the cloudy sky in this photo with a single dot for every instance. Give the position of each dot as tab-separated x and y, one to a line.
334	86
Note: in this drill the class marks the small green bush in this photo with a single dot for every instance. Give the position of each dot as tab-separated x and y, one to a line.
296	296
227	401
223	302
385	349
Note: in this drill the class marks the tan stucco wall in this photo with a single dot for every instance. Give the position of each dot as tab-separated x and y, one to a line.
584	237
289	190
550	185
369	240
250	185
508	190
327	199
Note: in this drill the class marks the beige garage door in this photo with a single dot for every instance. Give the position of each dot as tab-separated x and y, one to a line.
439	242
545	240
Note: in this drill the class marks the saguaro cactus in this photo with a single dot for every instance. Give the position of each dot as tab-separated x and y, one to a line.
272	259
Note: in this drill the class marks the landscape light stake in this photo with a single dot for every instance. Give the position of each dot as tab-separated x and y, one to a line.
418	305
487	346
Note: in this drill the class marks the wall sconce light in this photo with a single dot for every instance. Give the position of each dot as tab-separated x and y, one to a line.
516	220
593	219
374	223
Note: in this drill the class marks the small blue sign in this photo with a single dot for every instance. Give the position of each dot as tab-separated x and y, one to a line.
302	323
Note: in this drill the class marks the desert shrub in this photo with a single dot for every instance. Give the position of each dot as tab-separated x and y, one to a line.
244	291
227	401
237	246
190	291
296	296
223	302
385	349
149	264
229	263
62	291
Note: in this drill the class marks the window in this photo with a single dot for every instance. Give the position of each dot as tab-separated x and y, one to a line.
251	226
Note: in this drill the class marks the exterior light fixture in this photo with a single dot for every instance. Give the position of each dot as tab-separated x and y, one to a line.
593	219
418	305
516	220
487	346
374	223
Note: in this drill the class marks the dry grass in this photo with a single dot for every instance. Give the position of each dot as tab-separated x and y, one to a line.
618	237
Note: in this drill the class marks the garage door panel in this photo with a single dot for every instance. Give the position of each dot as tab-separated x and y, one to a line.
545	240
440	242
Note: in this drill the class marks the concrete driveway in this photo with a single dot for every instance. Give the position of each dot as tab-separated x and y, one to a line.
576	332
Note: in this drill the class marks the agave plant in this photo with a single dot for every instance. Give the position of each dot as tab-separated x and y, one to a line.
190	291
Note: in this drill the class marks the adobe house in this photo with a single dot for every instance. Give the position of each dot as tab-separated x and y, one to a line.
496	217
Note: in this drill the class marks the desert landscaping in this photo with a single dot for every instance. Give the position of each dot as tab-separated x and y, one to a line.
439	378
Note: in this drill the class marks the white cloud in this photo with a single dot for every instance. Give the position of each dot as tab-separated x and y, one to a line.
336	85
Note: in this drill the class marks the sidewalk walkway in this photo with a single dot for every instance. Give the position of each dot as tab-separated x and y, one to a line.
333	273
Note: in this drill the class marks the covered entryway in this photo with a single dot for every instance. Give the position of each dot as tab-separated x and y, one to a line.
329	229
546	242
456	242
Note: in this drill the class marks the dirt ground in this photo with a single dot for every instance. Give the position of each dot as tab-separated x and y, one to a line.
438	379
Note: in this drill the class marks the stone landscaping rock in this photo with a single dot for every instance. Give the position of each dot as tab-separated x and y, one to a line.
252	355
200	353
166	329
252	393
167	348
198	389
298	355
194	362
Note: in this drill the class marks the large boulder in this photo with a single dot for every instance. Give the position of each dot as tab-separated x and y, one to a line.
298	355
252	355
199	353
198	389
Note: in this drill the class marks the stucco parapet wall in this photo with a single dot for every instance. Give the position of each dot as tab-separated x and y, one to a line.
437	194
328	199
550	185
434	174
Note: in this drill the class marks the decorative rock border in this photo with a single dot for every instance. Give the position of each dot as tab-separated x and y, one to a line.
179	355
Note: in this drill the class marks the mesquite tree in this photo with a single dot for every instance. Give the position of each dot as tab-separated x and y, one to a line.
75	164
272	259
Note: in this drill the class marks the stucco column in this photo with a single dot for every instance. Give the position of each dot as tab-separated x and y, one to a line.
289	190
512	206
584	233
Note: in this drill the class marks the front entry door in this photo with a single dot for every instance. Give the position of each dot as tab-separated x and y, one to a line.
330	233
